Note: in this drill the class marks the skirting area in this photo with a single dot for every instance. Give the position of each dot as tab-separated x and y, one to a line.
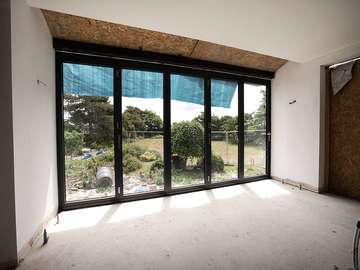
260	225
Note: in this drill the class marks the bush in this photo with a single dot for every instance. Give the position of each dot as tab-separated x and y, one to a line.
187	139
150	156
157	166
106	159
217	163
74	141
179	163
130	163
156	172
133	150
88	173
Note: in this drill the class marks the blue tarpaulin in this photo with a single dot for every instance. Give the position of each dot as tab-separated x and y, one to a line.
98	81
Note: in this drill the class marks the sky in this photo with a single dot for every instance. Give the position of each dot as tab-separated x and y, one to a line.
182	111
185	111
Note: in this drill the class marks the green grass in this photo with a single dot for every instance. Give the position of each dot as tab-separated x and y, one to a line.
254	156
254	162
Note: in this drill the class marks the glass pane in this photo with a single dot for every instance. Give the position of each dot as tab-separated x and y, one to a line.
187	130
88	132
142	129
254	129
224	131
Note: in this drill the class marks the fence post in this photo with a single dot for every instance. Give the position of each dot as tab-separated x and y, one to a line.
227	146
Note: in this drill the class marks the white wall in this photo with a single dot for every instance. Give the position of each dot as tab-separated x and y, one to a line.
34	121
297	130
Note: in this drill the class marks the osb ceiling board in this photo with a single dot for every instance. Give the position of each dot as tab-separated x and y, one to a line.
98	32
75	28
219	53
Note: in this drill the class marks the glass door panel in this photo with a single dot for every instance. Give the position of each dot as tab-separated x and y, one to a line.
254	130
187	130
224	130
88	132
142	131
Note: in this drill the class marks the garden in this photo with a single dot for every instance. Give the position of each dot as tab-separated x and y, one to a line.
89	150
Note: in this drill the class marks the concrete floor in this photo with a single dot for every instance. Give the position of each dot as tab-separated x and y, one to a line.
261	225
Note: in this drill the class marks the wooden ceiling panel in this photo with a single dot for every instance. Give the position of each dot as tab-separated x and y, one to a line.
223	54
82	29
75	28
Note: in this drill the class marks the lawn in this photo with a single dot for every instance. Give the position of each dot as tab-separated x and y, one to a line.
254	156
76	169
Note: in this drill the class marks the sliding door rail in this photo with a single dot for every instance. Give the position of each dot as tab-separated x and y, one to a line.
140	56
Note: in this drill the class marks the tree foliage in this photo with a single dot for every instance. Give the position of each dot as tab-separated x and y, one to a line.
74	142
135	119
187	139
92	116
254	124
257	119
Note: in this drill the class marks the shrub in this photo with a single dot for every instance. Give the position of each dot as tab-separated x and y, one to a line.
156	172
178	162
106	159
74	141
150	156
217	163
133	150
156	167
88	173
130	163
187	139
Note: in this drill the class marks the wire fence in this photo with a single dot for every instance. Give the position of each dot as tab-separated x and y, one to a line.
227	150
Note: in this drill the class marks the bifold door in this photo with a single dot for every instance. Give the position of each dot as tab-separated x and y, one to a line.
127	132
88	132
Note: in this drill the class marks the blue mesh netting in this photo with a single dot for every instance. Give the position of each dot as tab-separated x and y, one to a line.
87	80
187	89
222	93
98	81
143	84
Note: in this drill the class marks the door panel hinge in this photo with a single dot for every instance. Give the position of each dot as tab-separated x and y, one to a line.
268	135
119	142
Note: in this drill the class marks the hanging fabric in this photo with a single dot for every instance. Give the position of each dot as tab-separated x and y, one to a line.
340	76
87	80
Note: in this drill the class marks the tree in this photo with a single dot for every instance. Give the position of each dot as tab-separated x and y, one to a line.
152	122
257	119
255	124
132	119
92	116
135	119
229	123
187	139
74	142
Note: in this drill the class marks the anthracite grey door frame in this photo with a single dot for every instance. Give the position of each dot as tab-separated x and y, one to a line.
69	55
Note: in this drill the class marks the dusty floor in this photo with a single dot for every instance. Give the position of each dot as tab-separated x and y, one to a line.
261	225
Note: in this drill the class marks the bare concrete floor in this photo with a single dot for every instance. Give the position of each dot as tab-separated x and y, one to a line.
261	225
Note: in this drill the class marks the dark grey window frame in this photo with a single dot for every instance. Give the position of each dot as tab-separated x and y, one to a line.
88	54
